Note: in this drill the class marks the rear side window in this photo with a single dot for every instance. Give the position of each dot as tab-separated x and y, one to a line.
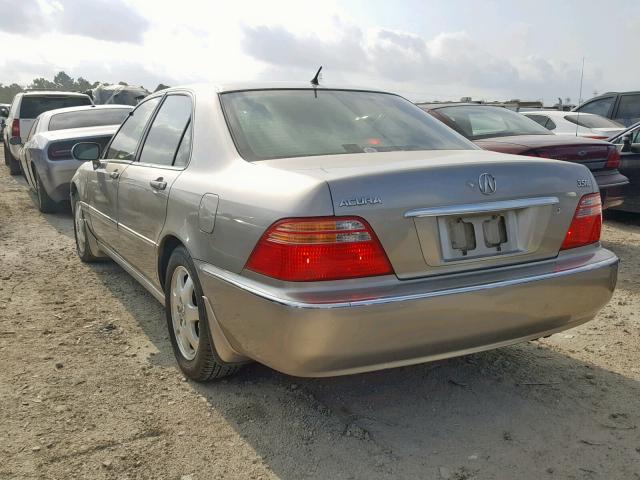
629	108
34	127
601	106
167	130
33	106
592	121
541	120
184	150
125	143
88	118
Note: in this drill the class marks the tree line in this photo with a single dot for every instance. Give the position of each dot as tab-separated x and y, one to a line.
61	81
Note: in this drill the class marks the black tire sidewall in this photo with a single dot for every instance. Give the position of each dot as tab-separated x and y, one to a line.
85	255
196	368
45	203
10	161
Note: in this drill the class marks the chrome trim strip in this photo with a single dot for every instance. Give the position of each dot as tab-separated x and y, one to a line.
252	286
482	207
131	270
137	235
95	210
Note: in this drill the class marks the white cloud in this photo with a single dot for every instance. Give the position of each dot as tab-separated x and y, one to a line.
110	20
147	42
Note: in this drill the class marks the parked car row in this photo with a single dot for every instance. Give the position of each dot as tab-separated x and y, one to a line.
24	110
45	158
623	107
576	124
502	130
327	231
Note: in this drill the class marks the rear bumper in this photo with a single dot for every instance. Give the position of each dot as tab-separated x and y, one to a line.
316	334
612	187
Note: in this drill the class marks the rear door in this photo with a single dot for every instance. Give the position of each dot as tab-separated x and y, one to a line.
102	189
145	184
630	166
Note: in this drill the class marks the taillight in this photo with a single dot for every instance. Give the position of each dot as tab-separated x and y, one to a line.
61	150
15	128
597	137
586	224
319	248
613	158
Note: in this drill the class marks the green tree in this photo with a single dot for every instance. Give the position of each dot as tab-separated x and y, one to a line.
7	92
64	81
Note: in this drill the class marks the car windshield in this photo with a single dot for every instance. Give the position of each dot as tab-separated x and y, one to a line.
592	121
267	124
32	106
88	118
479	122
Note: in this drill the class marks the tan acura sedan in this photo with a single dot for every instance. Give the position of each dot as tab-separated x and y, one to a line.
327	231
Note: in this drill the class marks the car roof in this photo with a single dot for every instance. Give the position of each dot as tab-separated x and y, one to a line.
82	132
52	93
557	113
435	106
245	86
50	113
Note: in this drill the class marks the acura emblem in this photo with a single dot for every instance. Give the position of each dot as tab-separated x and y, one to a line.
487	184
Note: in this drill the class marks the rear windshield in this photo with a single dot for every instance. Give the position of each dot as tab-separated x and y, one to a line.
477	123
32	106
592	121
88	118
269	124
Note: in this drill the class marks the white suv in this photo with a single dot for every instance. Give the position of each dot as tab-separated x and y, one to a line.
24	110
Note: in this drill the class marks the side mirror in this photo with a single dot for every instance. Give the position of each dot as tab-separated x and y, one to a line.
626	143
15	141
87	151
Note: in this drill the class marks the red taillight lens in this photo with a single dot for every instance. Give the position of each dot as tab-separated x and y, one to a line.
319	248
15	128
597	137
613	158
586	224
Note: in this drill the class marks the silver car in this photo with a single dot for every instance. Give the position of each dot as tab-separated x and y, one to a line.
46	159
325	231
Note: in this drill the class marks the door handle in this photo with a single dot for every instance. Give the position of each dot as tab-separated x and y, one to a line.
158	184
114	174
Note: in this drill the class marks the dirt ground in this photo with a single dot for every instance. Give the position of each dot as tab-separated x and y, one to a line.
89	388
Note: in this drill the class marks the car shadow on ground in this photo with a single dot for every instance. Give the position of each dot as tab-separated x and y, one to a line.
525	408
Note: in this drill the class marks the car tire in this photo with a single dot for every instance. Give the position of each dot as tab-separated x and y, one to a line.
188	323
80	233
45	203
9	161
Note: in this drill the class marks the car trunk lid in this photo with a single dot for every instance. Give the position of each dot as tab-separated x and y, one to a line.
590	152
430	215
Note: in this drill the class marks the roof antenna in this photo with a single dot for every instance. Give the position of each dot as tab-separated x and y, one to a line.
580	97
315	81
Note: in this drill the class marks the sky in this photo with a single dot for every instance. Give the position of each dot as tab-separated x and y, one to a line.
425	50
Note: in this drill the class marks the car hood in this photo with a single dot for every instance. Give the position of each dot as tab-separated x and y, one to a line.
536	141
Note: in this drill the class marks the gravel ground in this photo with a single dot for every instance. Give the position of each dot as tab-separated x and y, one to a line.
89	388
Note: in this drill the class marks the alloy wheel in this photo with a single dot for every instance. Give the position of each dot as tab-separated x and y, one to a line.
184	313
81	236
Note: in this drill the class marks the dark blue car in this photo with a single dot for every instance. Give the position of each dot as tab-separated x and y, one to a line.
628	143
